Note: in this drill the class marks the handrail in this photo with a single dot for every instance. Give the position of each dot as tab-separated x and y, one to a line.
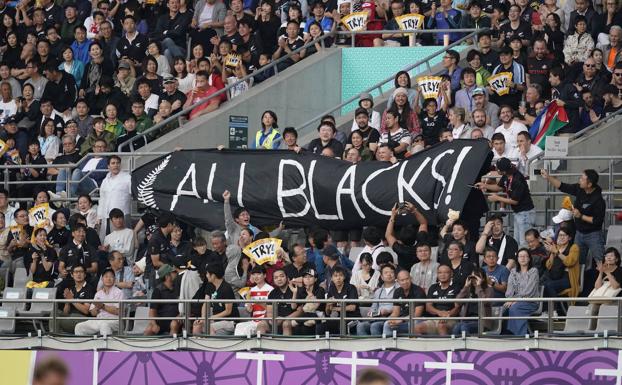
379	85
592	126
273	65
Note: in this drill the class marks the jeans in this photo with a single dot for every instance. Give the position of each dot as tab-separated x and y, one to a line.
523	221
401	328
366	328
85	186
592	242
552	288
518	327
469	327
172	50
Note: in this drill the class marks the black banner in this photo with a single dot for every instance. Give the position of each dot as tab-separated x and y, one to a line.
305	189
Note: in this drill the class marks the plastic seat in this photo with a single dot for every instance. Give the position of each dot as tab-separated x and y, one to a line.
40	309
20	278
614	236
139	325
7	325
14	293
609	324
576	326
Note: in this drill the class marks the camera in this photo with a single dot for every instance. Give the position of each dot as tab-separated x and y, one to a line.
402	209
537	171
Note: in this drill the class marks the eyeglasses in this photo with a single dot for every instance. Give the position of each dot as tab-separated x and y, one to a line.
589	65
617	73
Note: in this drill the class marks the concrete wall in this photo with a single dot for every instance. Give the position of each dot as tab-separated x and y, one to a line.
282	95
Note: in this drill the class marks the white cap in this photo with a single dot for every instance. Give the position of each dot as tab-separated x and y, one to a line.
562	216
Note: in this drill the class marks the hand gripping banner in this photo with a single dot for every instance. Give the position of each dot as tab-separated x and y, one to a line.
306	189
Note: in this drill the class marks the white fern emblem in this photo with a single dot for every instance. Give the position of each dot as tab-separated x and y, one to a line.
145	188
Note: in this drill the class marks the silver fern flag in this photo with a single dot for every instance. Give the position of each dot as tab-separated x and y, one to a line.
306	189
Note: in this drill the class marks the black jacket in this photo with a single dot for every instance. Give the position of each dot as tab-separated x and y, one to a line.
175	28
569	94
62	94
591	205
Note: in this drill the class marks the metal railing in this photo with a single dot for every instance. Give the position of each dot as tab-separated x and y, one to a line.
343	320
273	65
378	86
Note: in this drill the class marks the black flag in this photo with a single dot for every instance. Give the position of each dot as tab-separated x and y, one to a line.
307	190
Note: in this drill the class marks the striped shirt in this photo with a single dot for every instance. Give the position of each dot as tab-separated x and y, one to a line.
518	73
401	136
259	293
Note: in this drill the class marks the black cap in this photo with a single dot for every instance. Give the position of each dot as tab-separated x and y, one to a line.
309	271
611	89
11	120
505	51
330	251
504	165
361	110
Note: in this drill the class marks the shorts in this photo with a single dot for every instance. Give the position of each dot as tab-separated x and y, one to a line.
246	328
223	328
354	235
431	326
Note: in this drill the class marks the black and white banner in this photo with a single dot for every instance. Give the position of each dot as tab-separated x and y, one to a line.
306	189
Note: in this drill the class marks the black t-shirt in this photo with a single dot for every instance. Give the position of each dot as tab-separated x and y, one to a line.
523	31
169	309
318	292
224	291
617	274
292	272
511	247
20	252
59	237
515	186
73	255
316	146
415	292
461	273
370	136
469	251
538	71
406	255
347	291
490	60
284	309
159	245
177	95
68	158
436	292
40	274
431	126
86	292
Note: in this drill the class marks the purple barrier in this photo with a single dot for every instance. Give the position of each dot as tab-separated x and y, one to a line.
586	367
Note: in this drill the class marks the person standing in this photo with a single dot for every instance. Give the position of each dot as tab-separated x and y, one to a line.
115	192
588	212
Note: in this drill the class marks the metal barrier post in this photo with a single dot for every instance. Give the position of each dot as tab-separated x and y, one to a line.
609	218
480	324
186	314
208	317
411	324
342	318
121	315
619	316
54	315
6	179
549	321
275	327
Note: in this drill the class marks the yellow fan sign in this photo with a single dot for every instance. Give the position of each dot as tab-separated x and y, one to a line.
263	250
410	21
3	147
500	83
232	60
356	21
39	217
429	86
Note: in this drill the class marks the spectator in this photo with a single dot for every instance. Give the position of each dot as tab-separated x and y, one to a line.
129	126
478	123
268	137
287	44
527	111
496	274
489	58
510	127
609	271
86	208
96	69
40	260
120	239
480	101
406	290
380	309
612	100
76	253
115	191
476	286
238	264
444	289
515	27
327	132
207	22
562	267
217	288
446	17
406	247
393	134
60	235
584	10
499	148
133	45
516	85
260	291
457	117
432	121
365	279
460	266
457	231
423	273
481	73
202	91
78	289
281	291
451	68
165	291
124	277
525	152
338	289
493	236
143	121
464	96
522	283
359	144
172	28
588	212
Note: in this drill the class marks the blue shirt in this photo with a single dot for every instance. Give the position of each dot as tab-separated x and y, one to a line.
326	23
81	51
315	256
501	274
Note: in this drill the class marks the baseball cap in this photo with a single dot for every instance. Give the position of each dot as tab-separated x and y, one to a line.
478	91
124	65
361	110
168	79
309	271
504	165
562	216
164	270
330	251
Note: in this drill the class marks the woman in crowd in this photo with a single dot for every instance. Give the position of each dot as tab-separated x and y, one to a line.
578	46
269	138
522	283
366	278
40	260
99	66
185	79
459	129
49	142
60	235
31	173
407	116
562	266
309	291
150	73
237	271
475	286
402	79
88	209
71	65
609	271
358	143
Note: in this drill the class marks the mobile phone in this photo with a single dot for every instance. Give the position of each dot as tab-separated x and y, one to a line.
537	171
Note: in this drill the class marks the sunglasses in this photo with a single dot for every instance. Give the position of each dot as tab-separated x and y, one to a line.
589	65
617	73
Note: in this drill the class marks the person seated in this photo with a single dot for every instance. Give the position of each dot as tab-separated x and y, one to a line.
282	290
444	289
423	273
494	236
80	289
124	277
40	260
339	289
496	275
461	267
537	250
406	290
562	275
476	286
121	238
299	264
216	288
380	309
168	291
309	290
107	313
366	278
260	292
609	277
522	283
457	231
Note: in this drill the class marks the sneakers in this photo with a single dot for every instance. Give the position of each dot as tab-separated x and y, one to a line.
59	196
